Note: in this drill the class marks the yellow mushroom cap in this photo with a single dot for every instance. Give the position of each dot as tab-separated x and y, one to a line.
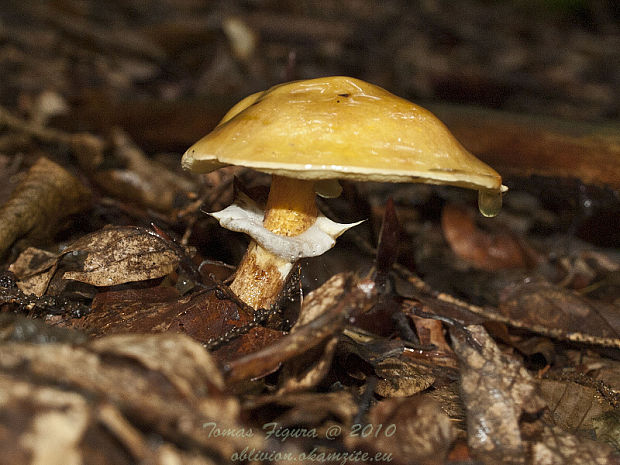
339	128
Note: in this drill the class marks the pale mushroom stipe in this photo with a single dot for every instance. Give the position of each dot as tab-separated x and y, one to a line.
307	135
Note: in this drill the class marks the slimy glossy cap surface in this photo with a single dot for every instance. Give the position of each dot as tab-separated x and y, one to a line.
339	128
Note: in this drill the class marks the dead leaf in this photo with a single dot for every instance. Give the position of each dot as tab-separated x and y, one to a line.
142	180
541	304
122	254
557	447
46	196
496	391
346	298
572	406
402	377
203	315
484	250
255	339
308	369
413	430
35	267
431	332
111	388
113	255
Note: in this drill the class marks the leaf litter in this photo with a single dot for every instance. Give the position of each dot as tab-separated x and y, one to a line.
162	364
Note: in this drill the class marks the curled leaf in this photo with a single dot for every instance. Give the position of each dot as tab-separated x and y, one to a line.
496	390
117	255
46	196
110	256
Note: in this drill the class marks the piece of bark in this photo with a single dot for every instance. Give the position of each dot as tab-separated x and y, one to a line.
36	209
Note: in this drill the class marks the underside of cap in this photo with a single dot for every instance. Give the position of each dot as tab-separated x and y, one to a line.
339	128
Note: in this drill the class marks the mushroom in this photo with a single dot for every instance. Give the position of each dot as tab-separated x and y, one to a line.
307	135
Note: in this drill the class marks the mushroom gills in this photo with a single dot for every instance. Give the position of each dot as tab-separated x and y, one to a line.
489	202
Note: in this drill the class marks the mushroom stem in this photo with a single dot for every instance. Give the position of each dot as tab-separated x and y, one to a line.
291	209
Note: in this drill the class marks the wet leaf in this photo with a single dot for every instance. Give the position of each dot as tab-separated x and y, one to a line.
496	391
38	205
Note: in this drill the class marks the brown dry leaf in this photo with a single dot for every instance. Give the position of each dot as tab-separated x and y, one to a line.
402	377
541	304
484	250
113	255
413	430
35	210
121	254
128	384
35	267
202	315
496	391
572	406
308	369
431	332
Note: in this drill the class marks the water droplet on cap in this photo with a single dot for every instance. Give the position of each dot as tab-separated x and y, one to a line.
489	202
